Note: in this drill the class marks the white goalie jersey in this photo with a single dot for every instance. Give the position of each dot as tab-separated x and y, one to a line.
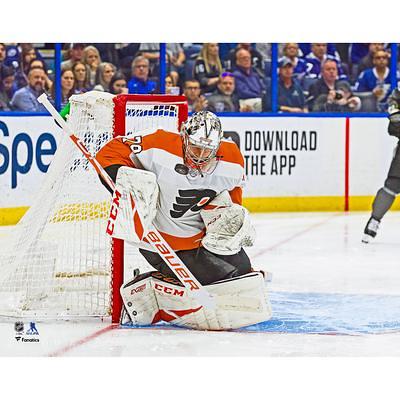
181	197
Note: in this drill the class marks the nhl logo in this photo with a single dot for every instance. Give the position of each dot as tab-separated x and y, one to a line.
19	326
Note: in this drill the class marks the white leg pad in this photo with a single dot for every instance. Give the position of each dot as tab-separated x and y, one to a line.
140	302
239	301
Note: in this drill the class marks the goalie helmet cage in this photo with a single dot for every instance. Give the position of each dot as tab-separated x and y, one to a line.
59	263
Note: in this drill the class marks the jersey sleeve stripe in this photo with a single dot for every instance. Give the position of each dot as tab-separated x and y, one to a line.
236	195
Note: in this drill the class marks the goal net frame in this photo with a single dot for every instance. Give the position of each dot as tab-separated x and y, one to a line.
31	259
120	105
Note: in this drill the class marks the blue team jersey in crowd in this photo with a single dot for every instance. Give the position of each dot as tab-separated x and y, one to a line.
368	80
136	86
314	66
301	69
305	49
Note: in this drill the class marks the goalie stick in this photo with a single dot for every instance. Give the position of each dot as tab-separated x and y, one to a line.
152	235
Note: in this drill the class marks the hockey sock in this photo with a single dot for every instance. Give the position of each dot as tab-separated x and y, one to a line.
382	203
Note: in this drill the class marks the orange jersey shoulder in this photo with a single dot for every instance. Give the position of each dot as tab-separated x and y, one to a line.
118	150
230	152
163	140
115	152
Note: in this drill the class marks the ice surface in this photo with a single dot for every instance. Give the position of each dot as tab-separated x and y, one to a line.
331	296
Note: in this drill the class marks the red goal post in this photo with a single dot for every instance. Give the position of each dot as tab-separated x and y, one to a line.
59	263
120	129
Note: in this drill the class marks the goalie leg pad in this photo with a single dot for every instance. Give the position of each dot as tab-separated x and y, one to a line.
140	303
240	301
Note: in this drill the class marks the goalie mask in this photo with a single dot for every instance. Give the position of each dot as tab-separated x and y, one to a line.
201	135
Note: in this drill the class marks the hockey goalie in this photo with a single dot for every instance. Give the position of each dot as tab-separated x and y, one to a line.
188	185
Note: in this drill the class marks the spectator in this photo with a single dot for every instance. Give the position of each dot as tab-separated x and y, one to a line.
127	52
196	102
265	50
67	87
291	51
170	87
104	73
327	82
7	77
38	63
28	54
118	84
139	82
177	59
368	61
208	67
91	57
305	48
2	53
339	100
377	79
75	54
108	52
25	99
249	86
256	58
169	83
223	98
224	50
13	56
290	94
82	84
151	51
317	56
357	52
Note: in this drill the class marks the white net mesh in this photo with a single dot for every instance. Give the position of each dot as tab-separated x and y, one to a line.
57	261
150	116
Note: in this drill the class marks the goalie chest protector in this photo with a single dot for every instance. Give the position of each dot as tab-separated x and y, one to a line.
181	196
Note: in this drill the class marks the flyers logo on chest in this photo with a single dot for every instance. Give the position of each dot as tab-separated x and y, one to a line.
191	199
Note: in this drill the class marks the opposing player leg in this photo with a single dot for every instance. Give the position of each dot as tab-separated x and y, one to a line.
384	198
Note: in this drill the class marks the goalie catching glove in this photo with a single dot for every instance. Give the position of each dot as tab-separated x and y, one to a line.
228	226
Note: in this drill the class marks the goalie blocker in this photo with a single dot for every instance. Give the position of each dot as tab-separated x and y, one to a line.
152	297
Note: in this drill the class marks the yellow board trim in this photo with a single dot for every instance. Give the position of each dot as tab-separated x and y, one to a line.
282	204
362	203
10	216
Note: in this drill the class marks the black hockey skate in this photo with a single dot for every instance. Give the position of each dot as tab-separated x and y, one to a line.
370	230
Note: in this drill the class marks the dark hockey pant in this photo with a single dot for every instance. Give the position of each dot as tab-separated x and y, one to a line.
207	267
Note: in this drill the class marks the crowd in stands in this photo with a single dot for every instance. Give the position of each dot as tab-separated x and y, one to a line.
220	77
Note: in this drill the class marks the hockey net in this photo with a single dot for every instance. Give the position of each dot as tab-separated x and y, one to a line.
58	262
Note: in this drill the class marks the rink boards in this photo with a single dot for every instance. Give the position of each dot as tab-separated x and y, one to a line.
292	163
